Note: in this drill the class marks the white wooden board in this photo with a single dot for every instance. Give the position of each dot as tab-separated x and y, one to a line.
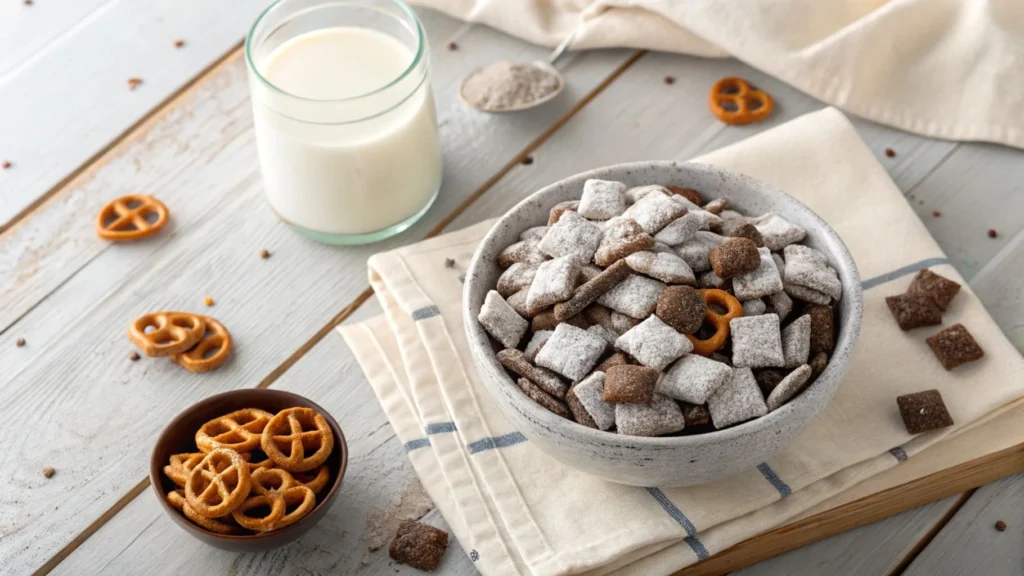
96	413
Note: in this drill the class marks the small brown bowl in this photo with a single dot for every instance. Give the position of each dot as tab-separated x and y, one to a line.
179	436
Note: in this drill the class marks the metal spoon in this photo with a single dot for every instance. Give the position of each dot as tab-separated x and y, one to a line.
547	66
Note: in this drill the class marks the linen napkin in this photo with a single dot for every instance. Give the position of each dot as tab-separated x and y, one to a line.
518	511
942	68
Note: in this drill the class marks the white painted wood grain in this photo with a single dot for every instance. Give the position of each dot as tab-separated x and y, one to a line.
969	544
67	98
96	413
618	125
1001	287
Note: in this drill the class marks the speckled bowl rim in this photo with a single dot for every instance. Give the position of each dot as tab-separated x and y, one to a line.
484	357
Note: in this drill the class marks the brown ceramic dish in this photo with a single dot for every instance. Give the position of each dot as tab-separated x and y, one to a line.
179	436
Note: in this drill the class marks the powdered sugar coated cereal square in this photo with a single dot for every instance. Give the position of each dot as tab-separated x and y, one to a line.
653	212
602	199
796	342
572	352
809	268
756	342
667	267
738	400
636	296
764	281
778	232
590	393
573	235
694	379
553	282
661	416
654	343
501	321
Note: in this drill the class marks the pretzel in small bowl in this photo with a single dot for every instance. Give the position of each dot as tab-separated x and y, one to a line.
269	479
276	504
176	498
210	352
218	484
720	322
734	101
128	218
315	481
292	434
181	465
240	431
172	332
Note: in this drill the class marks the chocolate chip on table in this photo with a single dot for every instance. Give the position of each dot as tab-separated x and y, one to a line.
20	342
6	164
179	43
670	80
914	311
48	471
992	233
923	411
264	254
134	356
936	213
418	545
890	152
527	160
1000	525
453	46
955	346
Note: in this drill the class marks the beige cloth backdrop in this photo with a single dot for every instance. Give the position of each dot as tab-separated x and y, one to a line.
951	69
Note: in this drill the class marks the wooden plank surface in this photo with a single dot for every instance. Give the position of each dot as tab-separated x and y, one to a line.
73	383
636	117
970	544
64	95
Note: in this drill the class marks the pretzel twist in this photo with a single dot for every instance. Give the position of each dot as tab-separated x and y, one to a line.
181	465
218	484
294	432
315	482
720	321
216	339
176	498
277	501
240	431
125	218
733	101
173	332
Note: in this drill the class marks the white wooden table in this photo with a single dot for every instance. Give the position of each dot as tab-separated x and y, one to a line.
70	398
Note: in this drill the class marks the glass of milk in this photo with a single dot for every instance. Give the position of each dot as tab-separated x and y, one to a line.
344	117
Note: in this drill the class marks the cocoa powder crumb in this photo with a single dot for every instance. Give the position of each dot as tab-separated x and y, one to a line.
20	343
528	160
936	213
133	83
264	254
6	164
670	80
992	233
134	356
453	46
179	43
890	152
449	263
48	471
1000	525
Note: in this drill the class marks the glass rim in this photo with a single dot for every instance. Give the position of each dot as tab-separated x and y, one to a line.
420	49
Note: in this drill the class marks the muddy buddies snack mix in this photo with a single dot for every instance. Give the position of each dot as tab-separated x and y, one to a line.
653	310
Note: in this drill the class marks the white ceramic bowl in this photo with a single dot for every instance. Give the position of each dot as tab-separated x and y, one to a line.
663	461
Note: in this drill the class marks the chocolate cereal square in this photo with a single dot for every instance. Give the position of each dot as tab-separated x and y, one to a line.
573	235
738	400
541	397
734	257
940	290
654	343
630	384
418	545
756	342
694	379
579	413
682	308
914	310
602	199
653	212
923	411
501	321
572	352
661	416
955	346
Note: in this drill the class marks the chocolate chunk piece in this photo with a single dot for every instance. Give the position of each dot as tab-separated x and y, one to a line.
735	257
822	328
418	545
914	310
940	290
543	398
923	411
547	380
682	308
589	292
695	414
630	384
955	346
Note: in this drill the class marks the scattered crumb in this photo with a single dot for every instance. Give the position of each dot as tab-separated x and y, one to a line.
449	262
134	356
28	2
528	160
134	83
179	43
890	152
1000	525
453	46
413	504
921	202
48	471
20	342
670	80
936	213
208	301
264	254
462	278
6	164
992	233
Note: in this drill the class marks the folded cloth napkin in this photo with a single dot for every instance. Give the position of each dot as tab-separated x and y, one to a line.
943	68
518	511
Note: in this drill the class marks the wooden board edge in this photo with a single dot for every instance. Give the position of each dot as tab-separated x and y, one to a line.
864	511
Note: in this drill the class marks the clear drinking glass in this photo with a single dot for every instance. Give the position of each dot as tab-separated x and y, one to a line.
344	117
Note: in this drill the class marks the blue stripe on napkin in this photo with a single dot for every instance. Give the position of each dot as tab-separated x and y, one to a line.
772	477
